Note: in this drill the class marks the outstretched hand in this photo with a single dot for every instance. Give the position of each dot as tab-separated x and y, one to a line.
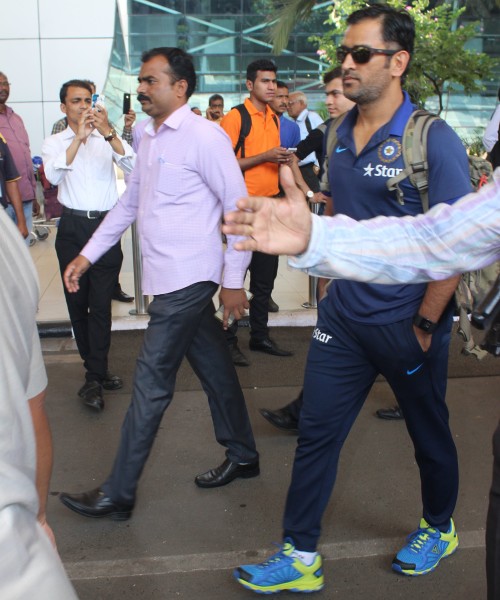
272	225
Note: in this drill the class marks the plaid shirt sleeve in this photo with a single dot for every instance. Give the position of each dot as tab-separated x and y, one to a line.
127	135
60	125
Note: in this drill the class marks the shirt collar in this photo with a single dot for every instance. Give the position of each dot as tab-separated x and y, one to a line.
395	126
253	110
8	111
173	121
303	115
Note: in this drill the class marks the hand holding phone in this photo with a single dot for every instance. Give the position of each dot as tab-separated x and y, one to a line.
126	103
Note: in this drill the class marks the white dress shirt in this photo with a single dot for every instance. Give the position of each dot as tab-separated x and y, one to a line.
89	182
315	120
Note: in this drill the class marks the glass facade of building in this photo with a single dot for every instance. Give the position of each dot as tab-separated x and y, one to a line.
224	36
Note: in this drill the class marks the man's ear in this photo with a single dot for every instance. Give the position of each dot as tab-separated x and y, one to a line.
400	62
249	85
182	86
63	108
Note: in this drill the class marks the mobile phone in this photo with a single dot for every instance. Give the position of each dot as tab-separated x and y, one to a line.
219	313
95	98
126	103
291	150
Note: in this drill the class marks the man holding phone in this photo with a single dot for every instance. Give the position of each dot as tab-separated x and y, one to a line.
215	110
79	160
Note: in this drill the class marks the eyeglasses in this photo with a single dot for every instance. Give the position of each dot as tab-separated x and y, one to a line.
290	102
361	54
4	84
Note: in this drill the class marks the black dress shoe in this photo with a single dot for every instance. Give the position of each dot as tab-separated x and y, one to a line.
225	473
121	296
91	394
112	382
273	307
237	356
96	504
268	347
390	414
281	418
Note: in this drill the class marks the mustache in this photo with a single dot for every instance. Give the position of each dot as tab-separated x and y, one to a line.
349	73
141	97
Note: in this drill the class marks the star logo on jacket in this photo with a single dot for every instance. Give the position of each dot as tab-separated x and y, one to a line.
368	170
389	151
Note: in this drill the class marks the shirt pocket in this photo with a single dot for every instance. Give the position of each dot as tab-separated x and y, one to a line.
172	179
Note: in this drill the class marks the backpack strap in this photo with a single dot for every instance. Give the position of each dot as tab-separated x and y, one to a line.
414	144
308	124
246	125
329	143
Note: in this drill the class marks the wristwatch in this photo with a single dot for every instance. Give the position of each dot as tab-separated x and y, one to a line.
424	324
111	135
310	195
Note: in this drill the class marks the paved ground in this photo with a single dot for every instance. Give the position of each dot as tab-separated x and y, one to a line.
182	542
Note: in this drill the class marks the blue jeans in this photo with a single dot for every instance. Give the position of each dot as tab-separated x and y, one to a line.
28	215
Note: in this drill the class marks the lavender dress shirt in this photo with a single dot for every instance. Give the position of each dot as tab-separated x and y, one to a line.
186	177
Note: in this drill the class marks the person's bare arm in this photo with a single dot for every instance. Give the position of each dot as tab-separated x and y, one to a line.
435	300
277	155
16	200
44	457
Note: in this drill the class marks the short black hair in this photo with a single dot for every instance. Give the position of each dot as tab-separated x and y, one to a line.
263	64
214	97
333	74
398	26
180	62
282	84
81	83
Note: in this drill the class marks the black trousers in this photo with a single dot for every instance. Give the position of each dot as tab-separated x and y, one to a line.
493	525
89	308
182	324
310	177
263	270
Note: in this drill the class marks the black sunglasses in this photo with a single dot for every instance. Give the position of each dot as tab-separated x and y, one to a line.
361	54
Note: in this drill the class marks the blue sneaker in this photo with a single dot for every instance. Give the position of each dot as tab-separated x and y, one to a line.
282	571
425	548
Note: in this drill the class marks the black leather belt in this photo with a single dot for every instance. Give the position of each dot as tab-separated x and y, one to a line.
87	214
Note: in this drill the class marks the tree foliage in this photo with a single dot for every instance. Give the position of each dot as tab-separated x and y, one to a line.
440	58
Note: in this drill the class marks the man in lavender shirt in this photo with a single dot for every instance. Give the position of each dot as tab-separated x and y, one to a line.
178	194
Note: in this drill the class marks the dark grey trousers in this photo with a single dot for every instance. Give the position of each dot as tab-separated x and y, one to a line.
182	324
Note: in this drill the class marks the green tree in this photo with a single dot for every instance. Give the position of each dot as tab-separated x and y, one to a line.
440	58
